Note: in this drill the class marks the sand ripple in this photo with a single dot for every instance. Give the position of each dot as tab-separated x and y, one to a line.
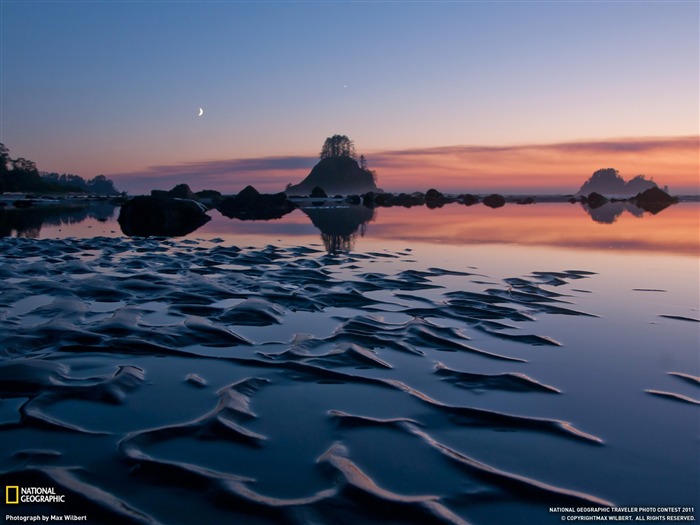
274	385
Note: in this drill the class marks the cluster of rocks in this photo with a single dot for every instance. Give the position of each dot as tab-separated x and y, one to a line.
432	199
171	213
250	204
180	211
652	200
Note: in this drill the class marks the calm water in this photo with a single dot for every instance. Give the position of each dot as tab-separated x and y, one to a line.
454	365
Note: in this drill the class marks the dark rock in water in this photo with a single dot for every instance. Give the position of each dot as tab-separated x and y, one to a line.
495	201
252	205
209	197
654	200
182	191
594	200
368	199
527	200
353	199
409	200
341	175
161	216
385	200
434	199
469	199
318	192
572	200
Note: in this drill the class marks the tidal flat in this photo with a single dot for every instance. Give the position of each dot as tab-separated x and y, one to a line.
243	374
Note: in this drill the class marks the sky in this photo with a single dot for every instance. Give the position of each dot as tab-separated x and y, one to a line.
463	96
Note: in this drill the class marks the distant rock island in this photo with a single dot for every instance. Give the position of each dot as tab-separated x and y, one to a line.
609	182
338	172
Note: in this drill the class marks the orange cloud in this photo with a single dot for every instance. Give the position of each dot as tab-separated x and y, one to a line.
548	168
534	168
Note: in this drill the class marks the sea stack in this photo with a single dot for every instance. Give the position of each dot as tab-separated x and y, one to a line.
338	172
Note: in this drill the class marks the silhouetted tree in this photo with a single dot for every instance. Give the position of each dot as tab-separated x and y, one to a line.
338	146
101	185
363	162
22	175
4	159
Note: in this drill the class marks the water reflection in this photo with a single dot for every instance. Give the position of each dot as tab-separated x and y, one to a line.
609	212
615	225
28	222
340	225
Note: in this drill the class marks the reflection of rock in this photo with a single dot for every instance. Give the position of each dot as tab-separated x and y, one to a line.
608	212
494	201
28	223
654	200
161	216
339	226
249	204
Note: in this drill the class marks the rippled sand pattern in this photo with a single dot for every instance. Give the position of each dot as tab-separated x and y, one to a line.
176	382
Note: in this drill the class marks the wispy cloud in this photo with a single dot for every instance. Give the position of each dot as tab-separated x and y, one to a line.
559	166
267	173
631	145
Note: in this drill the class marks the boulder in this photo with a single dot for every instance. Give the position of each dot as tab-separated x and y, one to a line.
317	192
469	199
494	201
252	205
526	200
434	199
654	200
594	200
182	191
209	197
160	216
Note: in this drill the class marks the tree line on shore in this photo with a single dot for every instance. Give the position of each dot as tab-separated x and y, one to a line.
22	175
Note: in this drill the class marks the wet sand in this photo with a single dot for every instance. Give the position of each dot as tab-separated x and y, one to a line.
160	381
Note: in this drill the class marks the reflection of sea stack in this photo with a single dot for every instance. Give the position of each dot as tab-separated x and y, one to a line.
337	172
339	226
608	212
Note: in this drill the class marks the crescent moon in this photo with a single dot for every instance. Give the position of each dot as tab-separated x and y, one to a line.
201	112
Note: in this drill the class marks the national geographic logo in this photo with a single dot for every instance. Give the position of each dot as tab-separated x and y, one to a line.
15	495
12	495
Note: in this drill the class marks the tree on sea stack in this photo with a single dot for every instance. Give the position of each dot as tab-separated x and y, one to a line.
338	146
337	172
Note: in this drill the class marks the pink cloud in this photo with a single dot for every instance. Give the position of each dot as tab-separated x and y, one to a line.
560	167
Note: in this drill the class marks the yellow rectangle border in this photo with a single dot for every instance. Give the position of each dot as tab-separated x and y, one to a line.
7	494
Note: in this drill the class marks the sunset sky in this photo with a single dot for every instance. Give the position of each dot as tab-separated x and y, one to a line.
463	96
